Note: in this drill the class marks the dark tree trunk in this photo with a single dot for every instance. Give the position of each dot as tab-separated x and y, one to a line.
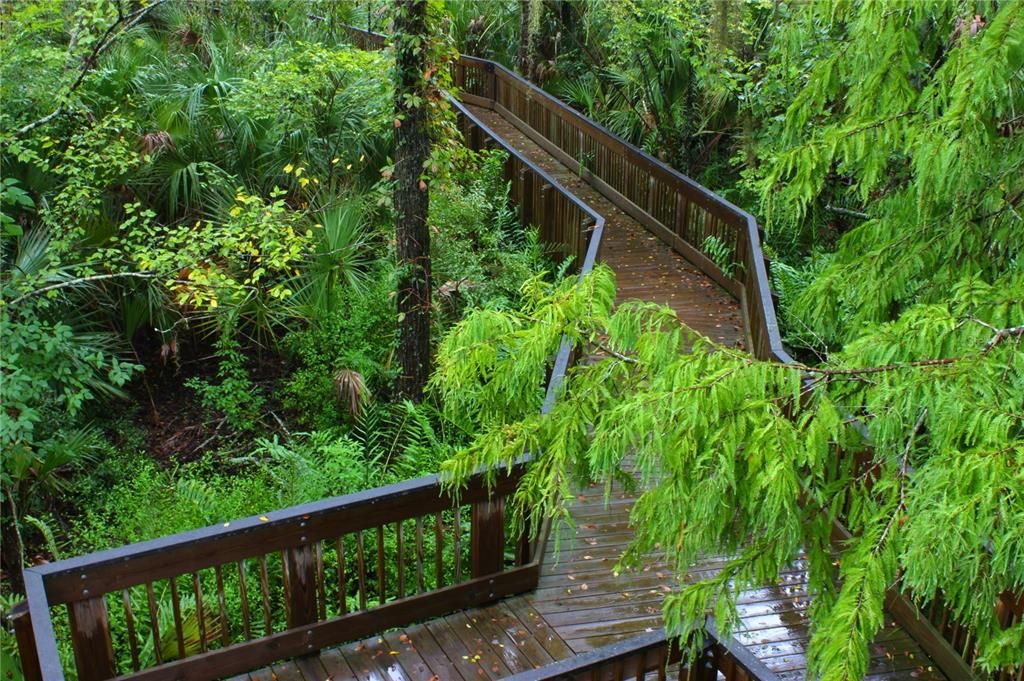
523	53
412	150
526	55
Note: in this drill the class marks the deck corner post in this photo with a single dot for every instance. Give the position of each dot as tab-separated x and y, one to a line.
21	620
487	537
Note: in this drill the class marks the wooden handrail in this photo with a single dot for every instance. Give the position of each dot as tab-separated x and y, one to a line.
291	561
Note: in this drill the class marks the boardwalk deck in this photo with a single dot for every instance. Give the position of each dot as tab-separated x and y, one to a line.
645	267
581	603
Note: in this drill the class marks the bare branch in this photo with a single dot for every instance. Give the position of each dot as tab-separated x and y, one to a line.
1002	335
79	282
123	23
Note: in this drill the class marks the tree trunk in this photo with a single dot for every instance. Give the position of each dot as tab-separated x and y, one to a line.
412	150
523	53
529	22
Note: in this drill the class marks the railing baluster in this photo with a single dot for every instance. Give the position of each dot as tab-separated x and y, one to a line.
321	589
243	597
640	669
361	568
421	586
200	614
457	543
400	545
286	587
381	568
663	661
265	593
438	547
225	625
339	547
154	623
618	669
176	607
129	619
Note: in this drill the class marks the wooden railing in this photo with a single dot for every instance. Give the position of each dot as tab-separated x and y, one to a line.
654	655
691	219
941	619
231	598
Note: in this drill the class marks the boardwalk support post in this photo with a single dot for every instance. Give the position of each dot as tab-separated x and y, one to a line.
487	536
22	622
90	638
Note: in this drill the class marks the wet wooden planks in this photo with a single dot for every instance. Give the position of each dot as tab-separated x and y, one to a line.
583	602
483	644
589	602
645	267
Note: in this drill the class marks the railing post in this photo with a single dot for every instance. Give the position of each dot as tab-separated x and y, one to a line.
22	622
526	197
524	547
487	537
705	667
547	204
301	582
682	218
90	639
493	81
460	74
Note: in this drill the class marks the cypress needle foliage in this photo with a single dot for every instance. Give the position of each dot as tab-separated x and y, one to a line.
738	456
911	114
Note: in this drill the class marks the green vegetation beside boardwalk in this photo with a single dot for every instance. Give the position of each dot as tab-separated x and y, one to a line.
199	318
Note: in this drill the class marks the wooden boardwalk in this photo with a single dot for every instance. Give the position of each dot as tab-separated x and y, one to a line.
645	267
581	603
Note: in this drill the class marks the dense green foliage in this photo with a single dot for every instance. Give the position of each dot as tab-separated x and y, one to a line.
196	231
883	143
198	315
753	463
